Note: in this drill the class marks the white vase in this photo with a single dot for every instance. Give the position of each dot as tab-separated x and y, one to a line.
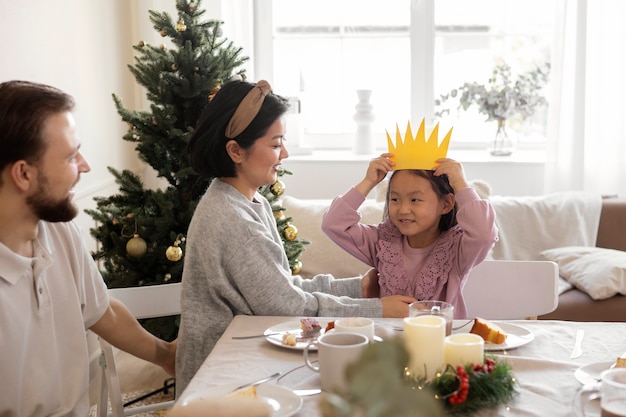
364	143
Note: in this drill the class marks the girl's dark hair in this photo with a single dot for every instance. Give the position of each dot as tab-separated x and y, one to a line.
24	108
207	145
441	186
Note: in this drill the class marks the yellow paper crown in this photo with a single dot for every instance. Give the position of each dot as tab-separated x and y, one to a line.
416	152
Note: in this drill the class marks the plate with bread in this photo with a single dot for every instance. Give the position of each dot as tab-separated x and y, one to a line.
497	335
262	400
289	334
590	374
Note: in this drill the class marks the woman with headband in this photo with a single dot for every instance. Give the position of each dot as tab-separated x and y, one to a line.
235	262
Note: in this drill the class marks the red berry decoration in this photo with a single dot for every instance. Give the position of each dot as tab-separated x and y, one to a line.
460	396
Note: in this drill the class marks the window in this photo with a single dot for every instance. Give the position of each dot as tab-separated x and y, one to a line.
406	52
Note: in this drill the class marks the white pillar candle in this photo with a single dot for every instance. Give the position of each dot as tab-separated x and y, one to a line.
464	348
423	338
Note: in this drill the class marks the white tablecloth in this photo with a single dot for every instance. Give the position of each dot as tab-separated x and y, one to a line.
543	367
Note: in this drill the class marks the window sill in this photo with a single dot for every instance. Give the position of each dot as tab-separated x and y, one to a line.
328	173
463	156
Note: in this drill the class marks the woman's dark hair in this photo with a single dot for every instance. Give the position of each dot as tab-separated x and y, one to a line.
441	186
24	108
207	145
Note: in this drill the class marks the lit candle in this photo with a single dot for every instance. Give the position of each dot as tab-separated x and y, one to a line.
464	348
423	338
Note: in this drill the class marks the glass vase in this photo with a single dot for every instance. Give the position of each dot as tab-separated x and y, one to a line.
502	145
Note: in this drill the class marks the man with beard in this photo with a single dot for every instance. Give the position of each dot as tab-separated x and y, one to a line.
50	289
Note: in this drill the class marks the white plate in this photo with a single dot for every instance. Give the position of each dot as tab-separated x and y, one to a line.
291	327
589	374
517	335
282	400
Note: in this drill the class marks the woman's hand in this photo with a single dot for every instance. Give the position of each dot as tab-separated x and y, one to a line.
369	284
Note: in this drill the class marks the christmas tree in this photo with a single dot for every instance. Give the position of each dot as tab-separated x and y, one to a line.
141	232
294	246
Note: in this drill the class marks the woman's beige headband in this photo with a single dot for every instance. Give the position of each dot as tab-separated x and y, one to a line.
248	109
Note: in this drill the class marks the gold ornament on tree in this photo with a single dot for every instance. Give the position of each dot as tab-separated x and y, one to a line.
136	246
181	27
296	268
290	232
278	188
280	215
175	253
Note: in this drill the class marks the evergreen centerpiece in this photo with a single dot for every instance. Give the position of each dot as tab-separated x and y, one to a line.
141	232
380	385
502	97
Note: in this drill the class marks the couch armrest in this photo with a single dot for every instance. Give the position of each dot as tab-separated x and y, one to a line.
612	227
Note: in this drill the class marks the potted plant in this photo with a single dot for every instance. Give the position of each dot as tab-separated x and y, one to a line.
502	97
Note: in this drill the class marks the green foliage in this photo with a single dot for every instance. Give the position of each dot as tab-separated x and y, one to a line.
486	389
295	247
380	386
503	96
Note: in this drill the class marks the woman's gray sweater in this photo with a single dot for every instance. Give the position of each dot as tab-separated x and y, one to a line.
235	264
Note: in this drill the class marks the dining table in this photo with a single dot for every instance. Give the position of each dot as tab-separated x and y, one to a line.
541	353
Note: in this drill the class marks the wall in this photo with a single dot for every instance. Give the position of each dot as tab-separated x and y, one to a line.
520	174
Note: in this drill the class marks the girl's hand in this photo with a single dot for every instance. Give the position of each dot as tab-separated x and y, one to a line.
376	172
454	171
396	305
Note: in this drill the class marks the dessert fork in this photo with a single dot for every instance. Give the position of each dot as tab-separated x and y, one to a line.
308	333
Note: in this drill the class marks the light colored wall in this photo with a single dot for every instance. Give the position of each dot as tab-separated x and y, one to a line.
520	174
83	48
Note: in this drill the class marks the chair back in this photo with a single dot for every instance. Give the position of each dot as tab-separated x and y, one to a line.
143	302
150	301
510	290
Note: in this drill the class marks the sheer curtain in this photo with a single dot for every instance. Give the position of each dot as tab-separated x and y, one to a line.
587	116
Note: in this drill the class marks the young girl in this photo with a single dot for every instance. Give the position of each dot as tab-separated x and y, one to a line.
435	230
235	262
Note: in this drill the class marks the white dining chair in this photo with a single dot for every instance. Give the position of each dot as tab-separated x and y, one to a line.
509	290
143	302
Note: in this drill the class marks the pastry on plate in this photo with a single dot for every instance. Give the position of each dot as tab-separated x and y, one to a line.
490	332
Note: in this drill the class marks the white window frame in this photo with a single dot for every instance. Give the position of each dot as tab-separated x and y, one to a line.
422	64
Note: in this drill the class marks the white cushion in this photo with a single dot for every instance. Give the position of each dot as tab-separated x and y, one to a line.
322	255
599	272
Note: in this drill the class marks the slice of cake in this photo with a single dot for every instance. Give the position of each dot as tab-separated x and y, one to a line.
620	362
489	331
248	392
309	325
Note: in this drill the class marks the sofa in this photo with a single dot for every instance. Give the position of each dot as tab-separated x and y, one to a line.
583	233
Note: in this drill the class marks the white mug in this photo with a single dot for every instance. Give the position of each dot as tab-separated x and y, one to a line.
359	325
335	351
612	392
